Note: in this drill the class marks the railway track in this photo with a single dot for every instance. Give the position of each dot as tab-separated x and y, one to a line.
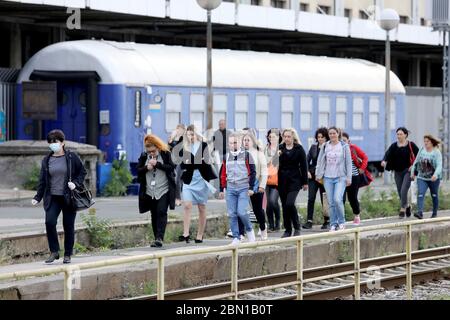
325	282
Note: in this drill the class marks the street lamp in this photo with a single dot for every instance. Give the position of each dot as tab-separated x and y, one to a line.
389	20
209	5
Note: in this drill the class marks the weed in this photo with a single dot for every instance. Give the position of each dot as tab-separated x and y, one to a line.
120	179
31	177
79	248
99	230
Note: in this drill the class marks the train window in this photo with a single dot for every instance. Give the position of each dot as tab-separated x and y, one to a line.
393	112
324	111
374	113
341	112
306	113
220	109
287	111
262	111
197	106
358	110
173	111
241	111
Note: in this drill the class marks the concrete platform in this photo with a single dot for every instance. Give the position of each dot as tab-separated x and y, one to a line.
137	278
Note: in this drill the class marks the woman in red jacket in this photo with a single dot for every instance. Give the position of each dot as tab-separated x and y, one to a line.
359	168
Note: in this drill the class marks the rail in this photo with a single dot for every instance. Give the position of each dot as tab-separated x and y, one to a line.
69	270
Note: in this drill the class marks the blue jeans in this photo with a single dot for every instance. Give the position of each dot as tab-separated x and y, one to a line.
422	186
237	203
335	188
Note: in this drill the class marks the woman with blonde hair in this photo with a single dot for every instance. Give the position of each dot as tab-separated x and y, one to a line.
428	165
197	172
292	176
156	176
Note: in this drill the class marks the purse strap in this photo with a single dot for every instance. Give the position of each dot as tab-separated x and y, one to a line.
70	168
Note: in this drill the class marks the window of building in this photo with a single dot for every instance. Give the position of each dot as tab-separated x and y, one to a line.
304	6
348	13
363	15
423	22
324	111
255	2
341	112
278	3
393	113
306	103
374	113
198	106
219	109
323	9
358	111
404	19
262	111
173	111
287	111
241	111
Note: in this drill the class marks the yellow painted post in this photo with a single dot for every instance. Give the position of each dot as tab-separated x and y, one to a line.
67	285
408	261
357	259
160	280
300	269
234	273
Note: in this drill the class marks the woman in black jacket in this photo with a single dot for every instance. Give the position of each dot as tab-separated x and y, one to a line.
400	157
321	137
157	184
197	172
61	172
292	176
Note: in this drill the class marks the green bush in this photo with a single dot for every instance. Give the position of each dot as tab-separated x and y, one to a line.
31	177
99	230
120	179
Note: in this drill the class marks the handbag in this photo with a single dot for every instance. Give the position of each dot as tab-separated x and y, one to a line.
272	175
81	196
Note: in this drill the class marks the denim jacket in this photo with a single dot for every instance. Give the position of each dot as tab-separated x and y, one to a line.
345	163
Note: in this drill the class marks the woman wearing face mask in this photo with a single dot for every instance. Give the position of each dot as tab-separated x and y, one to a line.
157	184
400	157
197	172
428	166
55	184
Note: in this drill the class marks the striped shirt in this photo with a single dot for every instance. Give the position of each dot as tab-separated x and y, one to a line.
355	171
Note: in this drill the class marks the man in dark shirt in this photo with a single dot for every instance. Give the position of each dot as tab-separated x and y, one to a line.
220	139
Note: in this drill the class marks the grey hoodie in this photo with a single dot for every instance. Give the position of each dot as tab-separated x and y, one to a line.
345	163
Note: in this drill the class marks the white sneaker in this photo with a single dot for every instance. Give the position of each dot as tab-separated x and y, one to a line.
251	236
264	234
333	228
341	227
229	234
242	237
235	242
259	233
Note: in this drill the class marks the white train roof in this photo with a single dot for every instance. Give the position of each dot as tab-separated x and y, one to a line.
148	64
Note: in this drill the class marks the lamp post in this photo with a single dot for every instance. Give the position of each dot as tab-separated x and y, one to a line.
209	5
389	20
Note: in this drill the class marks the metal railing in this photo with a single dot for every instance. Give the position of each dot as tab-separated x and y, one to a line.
234	293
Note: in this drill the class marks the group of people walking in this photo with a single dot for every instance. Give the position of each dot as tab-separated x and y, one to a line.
183	172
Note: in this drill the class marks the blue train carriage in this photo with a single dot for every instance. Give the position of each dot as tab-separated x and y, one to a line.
111	94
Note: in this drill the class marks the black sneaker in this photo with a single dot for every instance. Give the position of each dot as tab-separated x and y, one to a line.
401	215
286	234
296	233
418	215
307	225
53	256
325	226
66	259
408	212
434	215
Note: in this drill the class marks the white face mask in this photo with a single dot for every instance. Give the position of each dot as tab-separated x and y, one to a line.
234	153
55	147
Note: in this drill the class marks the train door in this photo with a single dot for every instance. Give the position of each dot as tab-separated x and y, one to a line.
71	112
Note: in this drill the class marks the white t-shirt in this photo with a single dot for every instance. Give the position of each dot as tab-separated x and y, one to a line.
333	157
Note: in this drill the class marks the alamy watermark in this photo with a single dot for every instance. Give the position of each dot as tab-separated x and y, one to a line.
74	20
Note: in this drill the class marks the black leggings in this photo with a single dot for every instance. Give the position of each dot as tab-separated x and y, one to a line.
273	208
352	193
290	214
158	209
313	187
258	210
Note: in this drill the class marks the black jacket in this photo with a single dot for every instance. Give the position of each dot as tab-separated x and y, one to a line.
293	169
201	161
168	166
313	155
399	158
78	175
